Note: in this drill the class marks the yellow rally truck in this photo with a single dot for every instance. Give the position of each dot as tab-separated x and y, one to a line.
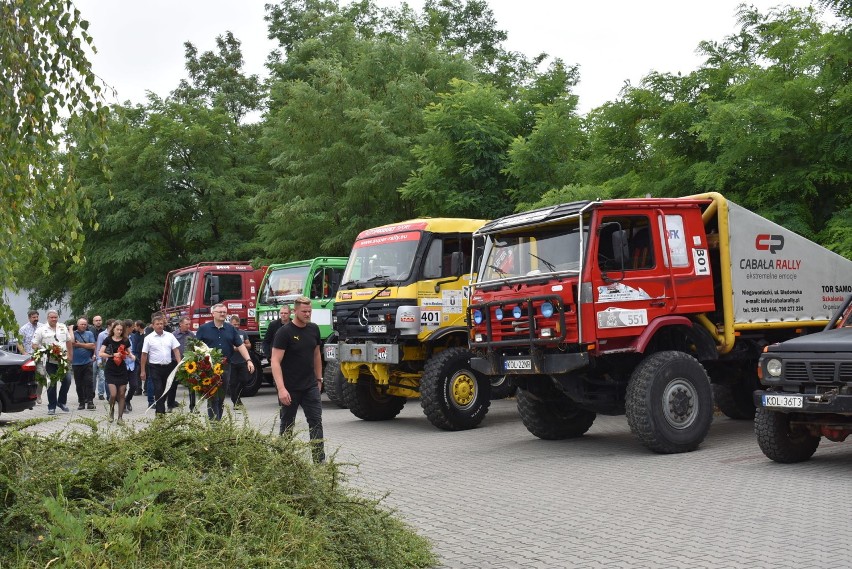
400	330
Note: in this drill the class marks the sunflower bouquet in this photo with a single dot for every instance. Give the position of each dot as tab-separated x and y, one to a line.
51	363
201	369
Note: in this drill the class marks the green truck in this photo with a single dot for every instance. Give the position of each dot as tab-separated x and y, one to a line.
318	279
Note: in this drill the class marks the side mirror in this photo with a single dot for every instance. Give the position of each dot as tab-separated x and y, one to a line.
213	289
620	247
457	263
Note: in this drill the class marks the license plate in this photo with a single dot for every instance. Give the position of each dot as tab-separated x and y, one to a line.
377	328
518	364
788	401
331	352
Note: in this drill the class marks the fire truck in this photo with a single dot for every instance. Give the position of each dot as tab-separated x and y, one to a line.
641	307
191	291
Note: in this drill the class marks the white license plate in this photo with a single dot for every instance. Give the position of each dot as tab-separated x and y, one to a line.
788	401
331	352
377	328
518	364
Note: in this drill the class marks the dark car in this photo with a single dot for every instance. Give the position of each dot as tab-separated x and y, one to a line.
18	387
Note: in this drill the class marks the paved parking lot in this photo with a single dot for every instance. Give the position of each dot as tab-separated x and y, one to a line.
497	497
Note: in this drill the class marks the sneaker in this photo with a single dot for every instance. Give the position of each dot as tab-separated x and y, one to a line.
51	411
91	405
127	406
64	408
81	406
101	397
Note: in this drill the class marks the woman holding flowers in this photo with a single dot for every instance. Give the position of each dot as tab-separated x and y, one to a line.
116	351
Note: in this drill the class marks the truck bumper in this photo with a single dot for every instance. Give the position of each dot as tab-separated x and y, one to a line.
368	353
830	402
533	364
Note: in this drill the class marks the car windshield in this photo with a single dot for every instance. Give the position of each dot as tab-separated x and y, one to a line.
180	289
283	283
531	253
379	258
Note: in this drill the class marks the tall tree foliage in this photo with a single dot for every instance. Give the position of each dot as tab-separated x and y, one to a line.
346	107
183	169
46	75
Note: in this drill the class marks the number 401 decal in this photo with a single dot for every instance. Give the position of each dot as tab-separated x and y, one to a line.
430	317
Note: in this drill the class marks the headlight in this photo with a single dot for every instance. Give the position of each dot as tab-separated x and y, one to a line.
547	310
498	313
478	338
546	332
773	367
477	316
516	312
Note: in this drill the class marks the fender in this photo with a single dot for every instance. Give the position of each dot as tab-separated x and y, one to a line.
442	333
705	345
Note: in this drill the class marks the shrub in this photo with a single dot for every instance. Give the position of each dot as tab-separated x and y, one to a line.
183	493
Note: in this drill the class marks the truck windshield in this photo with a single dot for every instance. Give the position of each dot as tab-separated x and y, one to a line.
283	283
385	257
180	290
531	252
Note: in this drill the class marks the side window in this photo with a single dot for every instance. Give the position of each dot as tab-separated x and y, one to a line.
230	288
325	283
675	246
625	242
432	263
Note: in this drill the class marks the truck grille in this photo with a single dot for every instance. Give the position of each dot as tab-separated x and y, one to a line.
818	372
520	322
350	323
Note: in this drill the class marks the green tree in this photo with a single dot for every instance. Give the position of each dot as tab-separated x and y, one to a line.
46	75
183	170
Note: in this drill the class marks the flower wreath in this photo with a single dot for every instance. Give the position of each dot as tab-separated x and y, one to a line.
42	357
201	369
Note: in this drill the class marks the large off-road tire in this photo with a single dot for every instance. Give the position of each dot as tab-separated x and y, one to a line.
453	396
781	443
735	399
333	381
501	387
255	380
669	402
554	416
366	401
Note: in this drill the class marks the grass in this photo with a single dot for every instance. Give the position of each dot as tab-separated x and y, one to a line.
185	493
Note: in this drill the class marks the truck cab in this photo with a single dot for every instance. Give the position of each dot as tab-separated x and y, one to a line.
399	319
192	291
318	279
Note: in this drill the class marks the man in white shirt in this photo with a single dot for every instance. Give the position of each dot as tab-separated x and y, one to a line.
26	332
55	333
160	354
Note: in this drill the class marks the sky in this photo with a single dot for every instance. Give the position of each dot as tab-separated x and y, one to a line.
140	42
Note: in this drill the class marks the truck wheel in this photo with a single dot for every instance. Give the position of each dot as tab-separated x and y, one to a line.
453	396
501	388
735	400
333	381
366	401
779	441
669	402
255	379
554	417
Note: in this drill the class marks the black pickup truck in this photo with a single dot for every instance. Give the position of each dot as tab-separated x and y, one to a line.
807	391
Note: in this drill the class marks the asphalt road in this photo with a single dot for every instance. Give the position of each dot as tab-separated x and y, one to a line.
497	497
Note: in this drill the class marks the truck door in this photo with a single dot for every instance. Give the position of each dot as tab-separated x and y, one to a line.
630	283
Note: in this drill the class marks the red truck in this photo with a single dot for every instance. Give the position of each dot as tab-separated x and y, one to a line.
191	291
642	307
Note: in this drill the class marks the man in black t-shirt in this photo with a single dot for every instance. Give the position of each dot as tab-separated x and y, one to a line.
297	369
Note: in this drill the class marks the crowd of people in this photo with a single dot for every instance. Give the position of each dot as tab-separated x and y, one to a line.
118	359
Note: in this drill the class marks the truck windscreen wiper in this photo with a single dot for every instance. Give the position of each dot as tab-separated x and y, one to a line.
550	266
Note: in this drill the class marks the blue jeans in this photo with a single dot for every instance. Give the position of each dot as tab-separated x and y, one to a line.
63	387
99	382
